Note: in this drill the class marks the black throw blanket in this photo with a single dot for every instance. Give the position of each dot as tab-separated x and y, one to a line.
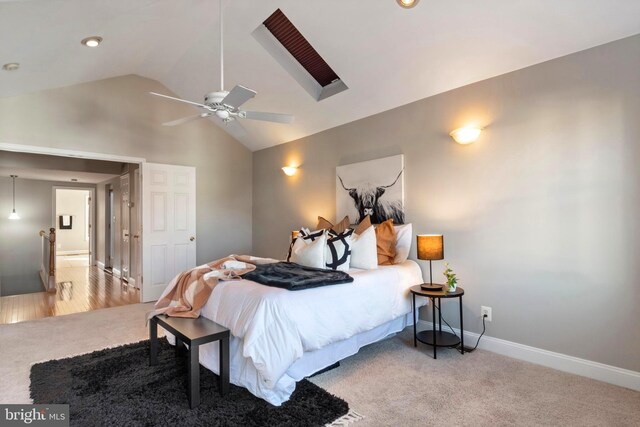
295	277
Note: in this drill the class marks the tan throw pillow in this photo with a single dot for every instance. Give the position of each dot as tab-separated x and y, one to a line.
386	242
323	224
363	226
340	227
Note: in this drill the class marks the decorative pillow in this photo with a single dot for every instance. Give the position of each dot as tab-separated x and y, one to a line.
364	252
338	252
386	242
300	234
310	236
403	242
364	225
309	251
323	224
291	242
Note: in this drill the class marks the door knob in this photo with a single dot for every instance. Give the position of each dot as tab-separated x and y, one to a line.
135	236
192	238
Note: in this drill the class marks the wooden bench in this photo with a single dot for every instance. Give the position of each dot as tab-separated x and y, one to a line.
193	332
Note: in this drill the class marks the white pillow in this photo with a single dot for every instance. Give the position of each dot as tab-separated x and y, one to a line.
364	251
310	252
338	251
404	237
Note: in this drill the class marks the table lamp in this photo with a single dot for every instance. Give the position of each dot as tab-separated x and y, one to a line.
431	248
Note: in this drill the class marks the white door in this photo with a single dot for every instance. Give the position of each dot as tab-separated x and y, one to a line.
168	225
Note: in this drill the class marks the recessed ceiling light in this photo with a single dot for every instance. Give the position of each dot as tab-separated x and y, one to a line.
407	4
92	41
11	66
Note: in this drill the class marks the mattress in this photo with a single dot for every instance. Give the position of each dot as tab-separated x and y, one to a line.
276	332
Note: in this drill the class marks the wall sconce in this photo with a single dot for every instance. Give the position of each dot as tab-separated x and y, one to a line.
466	135
290	170
407	4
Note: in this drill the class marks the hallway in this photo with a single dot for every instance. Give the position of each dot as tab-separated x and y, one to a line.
80	288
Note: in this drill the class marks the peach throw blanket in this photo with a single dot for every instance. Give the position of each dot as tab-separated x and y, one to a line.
190	290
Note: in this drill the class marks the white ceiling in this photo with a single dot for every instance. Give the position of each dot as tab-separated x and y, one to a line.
56	175
388	56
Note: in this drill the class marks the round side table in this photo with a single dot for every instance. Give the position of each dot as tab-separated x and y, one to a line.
436	337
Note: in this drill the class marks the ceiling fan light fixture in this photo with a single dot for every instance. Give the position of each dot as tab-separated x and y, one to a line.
93	41
223	114
407	4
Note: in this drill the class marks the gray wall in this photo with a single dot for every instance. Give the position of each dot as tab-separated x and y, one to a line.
20	245
539	216
118	116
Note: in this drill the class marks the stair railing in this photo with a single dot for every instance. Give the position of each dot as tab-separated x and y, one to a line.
48	265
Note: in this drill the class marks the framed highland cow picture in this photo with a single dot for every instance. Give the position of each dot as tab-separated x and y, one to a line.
374	188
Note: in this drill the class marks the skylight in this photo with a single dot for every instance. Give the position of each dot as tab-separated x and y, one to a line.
294	53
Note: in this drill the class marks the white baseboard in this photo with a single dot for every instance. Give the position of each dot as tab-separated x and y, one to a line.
131	281
562	362
100	265
80	252
116	272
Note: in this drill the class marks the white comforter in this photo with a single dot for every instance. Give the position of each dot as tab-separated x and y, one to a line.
271	328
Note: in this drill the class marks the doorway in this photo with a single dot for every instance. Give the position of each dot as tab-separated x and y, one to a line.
163	242
73	221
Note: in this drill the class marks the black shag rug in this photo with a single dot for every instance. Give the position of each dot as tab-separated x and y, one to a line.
117	387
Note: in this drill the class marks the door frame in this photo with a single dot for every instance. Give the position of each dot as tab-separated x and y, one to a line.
92	216
63	152
108	227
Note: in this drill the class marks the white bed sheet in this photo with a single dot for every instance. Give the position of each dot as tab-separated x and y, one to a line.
273	328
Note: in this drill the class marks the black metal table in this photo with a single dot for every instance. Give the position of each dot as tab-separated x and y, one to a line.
437	338
193	332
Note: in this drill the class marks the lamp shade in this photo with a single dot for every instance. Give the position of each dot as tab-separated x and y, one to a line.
430	247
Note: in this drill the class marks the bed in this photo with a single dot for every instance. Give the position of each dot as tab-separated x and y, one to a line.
280	336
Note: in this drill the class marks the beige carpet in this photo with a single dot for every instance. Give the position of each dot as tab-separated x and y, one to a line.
390	383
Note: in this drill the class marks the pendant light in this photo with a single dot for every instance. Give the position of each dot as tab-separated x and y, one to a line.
13	214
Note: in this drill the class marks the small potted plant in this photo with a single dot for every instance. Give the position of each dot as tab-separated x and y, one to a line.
452	280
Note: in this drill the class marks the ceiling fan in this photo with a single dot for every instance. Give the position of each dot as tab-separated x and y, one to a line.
225	105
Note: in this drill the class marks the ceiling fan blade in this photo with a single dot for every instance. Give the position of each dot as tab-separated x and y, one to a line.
268	117
186	119
235	129
238	96
179	100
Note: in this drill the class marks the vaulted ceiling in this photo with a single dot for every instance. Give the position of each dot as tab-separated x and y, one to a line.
386	55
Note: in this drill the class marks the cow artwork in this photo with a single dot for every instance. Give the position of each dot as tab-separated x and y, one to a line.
374	188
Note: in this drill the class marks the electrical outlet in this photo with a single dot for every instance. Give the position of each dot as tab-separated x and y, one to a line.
486	311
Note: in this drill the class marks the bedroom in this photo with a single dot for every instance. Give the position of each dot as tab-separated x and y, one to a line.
537	214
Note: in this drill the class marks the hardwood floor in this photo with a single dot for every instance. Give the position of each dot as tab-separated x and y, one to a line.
79	288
